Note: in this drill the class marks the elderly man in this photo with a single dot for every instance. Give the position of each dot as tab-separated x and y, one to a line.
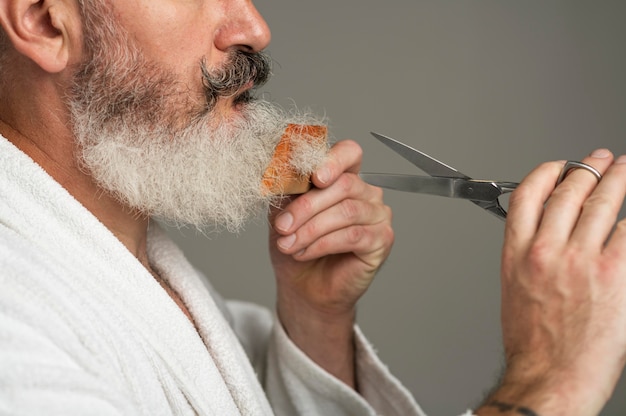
115	112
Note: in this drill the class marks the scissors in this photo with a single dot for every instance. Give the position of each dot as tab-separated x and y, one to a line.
443	180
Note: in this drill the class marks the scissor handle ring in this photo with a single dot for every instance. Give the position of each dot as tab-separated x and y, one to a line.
573	164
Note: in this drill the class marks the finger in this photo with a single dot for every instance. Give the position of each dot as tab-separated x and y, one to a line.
344	156
564	206
306	206
526	204
601	209
365	241
347	213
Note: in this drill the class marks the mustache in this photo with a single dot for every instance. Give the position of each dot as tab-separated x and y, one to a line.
241	69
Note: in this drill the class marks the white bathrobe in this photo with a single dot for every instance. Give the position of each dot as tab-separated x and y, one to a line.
86	330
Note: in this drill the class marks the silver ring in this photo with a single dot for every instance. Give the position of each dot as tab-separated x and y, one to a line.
572	164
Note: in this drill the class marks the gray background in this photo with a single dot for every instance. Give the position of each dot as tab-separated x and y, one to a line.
491	87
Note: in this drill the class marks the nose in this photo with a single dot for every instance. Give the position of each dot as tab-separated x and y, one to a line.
244	28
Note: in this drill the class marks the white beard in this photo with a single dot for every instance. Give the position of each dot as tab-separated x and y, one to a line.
148	144
205	178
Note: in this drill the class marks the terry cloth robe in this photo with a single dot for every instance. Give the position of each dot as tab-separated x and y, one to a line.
86	330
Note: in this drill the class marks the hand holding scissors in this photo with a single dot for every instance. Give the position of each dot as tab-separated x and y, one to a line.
563	278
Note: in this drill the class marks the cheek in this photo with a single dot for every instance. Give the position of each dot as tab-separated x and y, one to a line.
175	33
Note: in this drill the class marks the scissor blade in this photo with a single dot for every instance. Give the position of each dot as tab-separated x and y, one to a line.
426	163
476	191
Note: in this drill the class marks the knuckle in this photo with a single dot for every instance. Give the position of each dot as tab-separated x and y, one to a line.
305	205
309	230
574	257
598	200
345	183
608	267
350	209
520	194
566	189
323	245
388	234
539	257
355	234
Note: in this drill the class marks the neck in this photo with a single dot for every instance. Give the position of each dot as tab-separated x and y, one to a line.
57	158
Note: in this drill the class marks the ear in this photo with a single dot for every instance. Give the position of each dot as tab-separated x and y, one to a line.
42	30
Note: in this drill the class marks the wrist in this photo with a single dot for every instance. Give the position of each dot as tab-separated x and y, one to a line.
301	317
327	337
308	326
553	395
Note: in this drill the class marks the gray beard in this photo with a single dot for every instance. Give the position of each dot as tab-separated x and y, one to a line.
145	140
206	177
205	174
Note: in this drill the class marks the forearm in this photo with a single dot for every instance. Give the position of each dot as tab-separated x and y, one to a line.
327	338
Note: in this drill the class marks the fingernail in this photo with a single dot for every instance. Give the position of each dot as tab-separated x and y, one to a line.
621	159
287	241
601	153
284	221
323	175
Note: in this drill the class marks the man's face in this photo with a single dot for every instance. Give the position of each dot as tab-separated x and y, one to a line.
162	112
178	34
